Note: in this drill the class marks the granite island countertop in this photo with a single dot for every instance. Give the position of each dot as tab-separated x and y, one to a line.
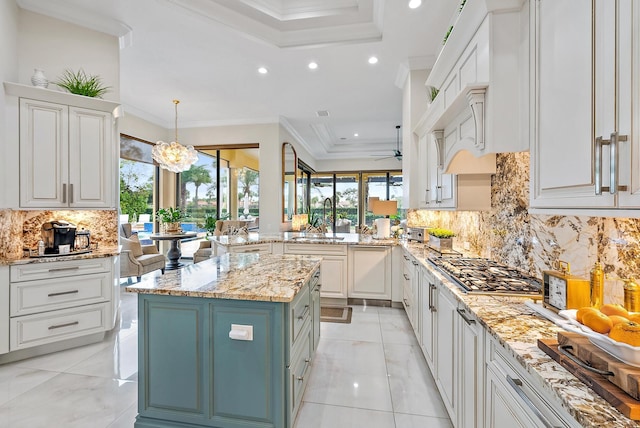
259	277
518	328
301	237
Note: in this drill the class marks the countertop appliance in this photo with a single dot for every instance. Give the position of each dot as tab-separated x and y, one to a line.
484	276
563	290
83	240
420	234
56	233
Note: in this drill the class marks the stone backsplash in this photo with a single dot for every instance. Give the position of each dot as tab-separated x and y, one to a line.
509	234
20	229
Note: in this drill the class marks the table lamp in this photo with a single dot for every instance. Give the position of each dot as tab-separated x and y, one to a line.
386	208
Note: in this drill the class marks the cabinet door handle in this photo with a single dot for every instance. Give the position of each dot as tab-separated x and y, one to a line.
406	303
438	194
64	193
64	268
70	193
464	316
426	196
614	161
62	293
304	314
405	257
405	276
516	384
69	324
597	166
432	306
415	263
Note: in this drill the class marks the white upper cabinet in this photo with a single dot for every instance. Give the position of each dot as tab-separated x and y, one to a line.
584	139
481	105
67	150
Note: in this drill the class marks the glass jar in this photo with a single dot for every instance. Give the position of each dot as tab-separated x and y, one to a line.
631	295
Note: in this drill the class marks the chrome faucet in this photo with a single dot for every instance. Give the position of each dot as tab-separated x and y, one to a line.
324	209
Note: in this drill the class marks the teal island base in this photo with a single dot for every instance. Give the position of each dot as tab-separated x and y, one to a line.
198	368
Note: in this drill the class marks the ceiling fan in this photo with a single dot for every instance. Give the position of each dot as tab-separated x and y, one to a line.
397	153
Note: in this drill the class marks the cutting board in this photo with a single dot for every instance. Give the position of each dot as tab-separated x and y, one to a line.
617	389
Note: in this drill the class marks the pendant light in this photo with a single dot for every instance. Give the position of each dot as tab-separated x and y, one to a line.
174	156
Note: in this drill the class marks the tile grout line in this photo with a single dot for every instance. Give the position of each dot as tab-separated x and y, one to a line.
386	367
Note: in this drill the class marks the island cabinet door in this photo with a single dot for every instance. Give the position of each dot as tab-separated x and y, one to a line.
172	360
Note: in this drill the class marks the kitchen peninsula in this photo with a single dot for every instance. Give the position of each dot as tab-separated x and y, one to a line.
228	341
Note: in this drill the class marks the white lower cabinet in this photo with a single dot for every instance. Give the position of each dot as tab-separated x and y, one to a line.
370	272
333	269
513	399
428	315
58	300
411	291
470	370
446	354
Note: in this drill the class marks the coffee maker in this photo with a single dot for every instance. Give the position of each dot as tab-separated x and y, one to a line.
56	233
83	241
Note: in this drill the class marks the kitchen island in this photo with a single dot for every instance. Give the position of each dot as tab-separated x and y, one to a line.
227	342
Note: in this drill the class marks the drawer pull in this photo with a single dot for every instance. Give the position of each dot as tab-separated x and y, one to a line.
564	350
64	268
516	384
464	316
304	314
405	257
69	324
307	362
405	276
62	293
406	303
415	263
255	250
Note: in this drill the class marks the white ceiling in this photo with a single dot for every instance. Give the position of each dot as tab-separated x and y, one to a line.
206	54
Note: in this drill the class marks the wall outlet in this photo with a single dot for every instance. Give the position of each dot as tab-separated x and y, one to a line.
466	245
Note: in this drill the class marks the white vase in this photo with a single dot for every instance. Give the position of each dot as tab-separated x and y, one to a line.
39	79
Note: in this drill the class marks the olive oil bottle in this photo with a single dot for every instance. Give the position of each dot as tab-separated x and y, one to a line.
597	285
631	295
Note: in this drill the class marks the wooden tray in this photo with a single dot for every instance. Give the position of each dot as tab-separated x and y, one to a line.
627	376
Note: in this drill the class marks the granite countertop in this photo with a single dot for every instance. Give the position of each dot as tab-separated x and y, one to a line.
94	254
303	238
518	328
260	277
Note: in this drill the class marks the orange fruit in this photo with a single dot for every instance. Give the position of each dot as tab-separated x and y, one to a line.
627	332
617	319
597	321
583	311
614	309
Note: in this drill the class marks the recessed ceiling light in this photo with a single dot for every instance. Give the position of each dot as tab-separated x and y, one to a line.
355	135
373	60
414	3
313	65
263	70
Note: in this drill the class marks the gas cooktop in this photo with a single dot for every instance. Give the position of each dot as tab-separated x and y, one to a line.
484	276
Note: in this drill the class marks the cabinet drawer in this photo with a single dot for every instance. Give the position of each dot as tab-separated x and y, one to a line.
40	329
254	248
319	249
299	371
60	269
59	293
300	312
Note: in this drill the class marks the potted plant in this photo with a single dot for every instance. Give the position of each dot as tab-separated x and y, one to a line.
209	224
170	219
441	238
80	83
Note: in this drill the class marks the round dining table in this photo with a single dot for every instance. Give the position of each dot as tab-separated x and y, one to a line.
174	253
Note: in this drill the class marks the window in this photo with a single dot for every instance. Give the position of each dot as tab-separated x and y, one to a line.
349	194
198	190
138	185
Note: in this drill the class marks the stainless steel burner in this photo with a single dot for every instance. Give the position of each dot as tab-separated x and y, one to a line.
484	276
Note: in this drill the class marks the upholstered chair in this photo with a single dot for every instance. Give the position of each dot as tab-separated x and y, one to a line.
137	259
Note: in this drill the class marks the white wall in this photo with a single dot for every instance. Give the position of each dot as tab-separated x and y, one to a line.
8	72
368	164
54	46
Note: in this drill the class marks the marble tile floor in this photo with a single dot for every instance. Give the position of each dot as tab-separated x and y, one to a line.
370	373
